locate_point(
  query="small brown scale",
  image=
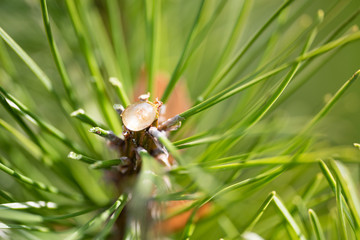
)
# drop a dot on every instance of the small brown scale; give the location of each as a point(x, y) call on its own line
point(137, 118)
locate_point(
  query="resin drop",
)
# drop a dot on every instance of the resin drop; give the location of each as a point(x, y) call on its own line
point(139, 116)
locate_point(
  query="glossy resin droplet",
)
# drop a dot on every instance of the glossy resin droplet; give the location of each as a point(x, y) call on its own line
point(139, 116)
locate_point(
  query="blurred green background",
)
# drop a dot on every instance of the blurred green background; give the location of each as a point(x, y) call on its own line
point(22, 20)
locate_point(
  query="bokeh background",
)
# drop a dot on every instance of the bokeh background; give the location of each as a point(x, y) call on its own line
point(22, 20)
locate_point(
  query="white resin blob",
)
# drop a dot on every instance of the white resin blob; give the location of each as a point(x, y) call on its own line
point(139, 116)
